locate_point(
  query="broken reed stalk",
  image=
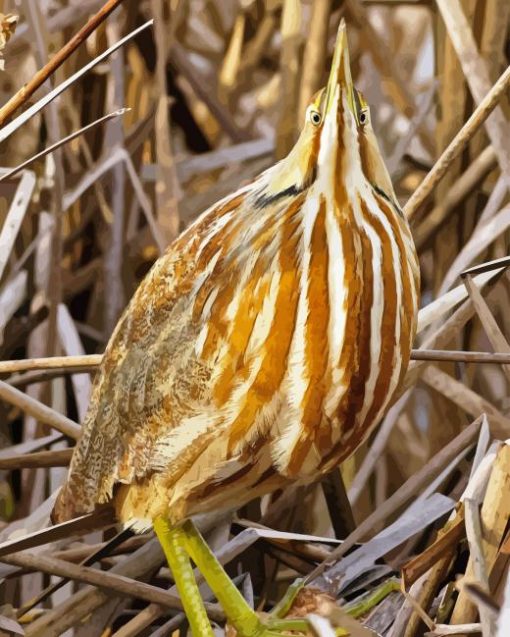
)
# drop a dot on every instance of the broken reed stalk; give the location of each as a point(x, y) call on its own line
point(39, 411)
point(477, 560)
point(480, 114)
point(19, 98)
point(89, 560)
point(81, 604)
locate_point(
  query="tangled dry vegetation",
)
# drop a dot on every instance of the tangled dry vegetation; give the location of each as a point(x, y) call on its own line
point(216, 90)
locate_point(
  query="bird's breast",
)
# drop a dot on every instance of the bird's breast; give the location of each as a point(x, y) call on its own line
point(312, 333)
point(354, 330)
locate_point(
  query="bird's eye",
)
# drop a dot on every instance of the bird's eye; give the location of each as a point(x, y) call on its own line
point(363, 118)
point(315, 118)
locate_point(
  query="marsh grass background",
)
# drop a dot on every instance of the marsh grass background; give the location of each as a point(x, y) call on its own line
point(217, 91)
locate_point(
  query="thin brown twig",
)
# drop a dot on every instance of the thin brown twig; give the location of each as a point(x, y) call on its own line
point(8, 129)
point(460, 357)
point(19, 98)
point(52, 458)
point(103, 579)
point(69, 138)
point(34, 377)
point(39, 411)
point(88, 362)
point(80, 553)
point(482, 111)
point(51, 362)
point(463, 186)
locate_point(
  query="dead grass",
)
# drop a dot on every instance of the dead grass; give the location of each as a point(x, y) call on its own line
point(215, 91)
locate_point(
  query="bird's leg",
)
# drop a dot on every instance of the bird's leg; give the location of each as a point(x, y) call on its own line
point(239, 613)
point(172, 540)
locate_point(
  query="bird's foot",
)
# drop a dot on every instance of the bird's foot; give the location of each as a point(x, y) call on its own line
point(278, 624)
point(297, 627)
point(362, 606)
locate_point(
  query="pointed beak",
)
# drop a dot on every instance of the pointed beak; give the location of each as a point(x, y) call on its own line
point(340, 74)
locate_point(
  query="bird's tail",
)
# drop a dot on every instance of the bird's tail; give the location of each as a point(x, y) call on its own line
point(70, 502)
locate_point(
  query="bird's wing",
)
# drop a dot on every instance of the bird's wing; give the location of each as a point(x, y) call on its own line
point(155, 377)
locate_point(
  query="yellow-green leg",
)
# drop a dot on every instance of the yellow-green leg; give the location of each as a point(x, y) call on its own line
point(172, 540)
point(182, 542)
point(239, 613)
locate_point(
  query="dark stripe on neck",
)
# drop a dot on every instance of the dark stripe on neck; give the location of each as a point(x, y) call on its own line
point(262, 200)
point(392, 203)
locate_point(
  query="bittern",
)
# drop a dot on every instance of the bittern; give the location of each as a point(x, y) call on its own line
point(259, 351)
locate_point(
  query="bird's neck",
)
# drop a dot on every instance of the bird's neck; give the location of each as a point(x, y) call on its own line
point(290, 176)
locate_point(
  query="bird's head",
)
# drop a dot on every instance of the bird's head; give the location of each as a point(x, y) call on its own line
point(337, 136)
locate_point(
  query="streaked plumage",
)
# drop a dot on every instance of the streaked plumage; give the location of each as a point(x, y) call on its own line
point(265, 344)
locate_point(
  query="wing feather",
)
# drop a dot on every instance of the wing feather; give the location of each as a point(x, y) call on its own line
point(157, 405)
point(149, 363)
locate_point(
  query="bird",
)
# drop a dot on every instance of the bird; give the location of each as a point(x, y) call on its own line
point(259, 351)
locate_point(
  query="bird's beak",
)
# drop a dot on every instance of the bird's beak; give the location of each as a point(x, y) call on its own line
point(340, 75)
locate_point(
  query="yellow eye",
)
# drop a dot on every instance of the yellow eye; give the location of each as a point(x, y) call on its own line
point(315, 118)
